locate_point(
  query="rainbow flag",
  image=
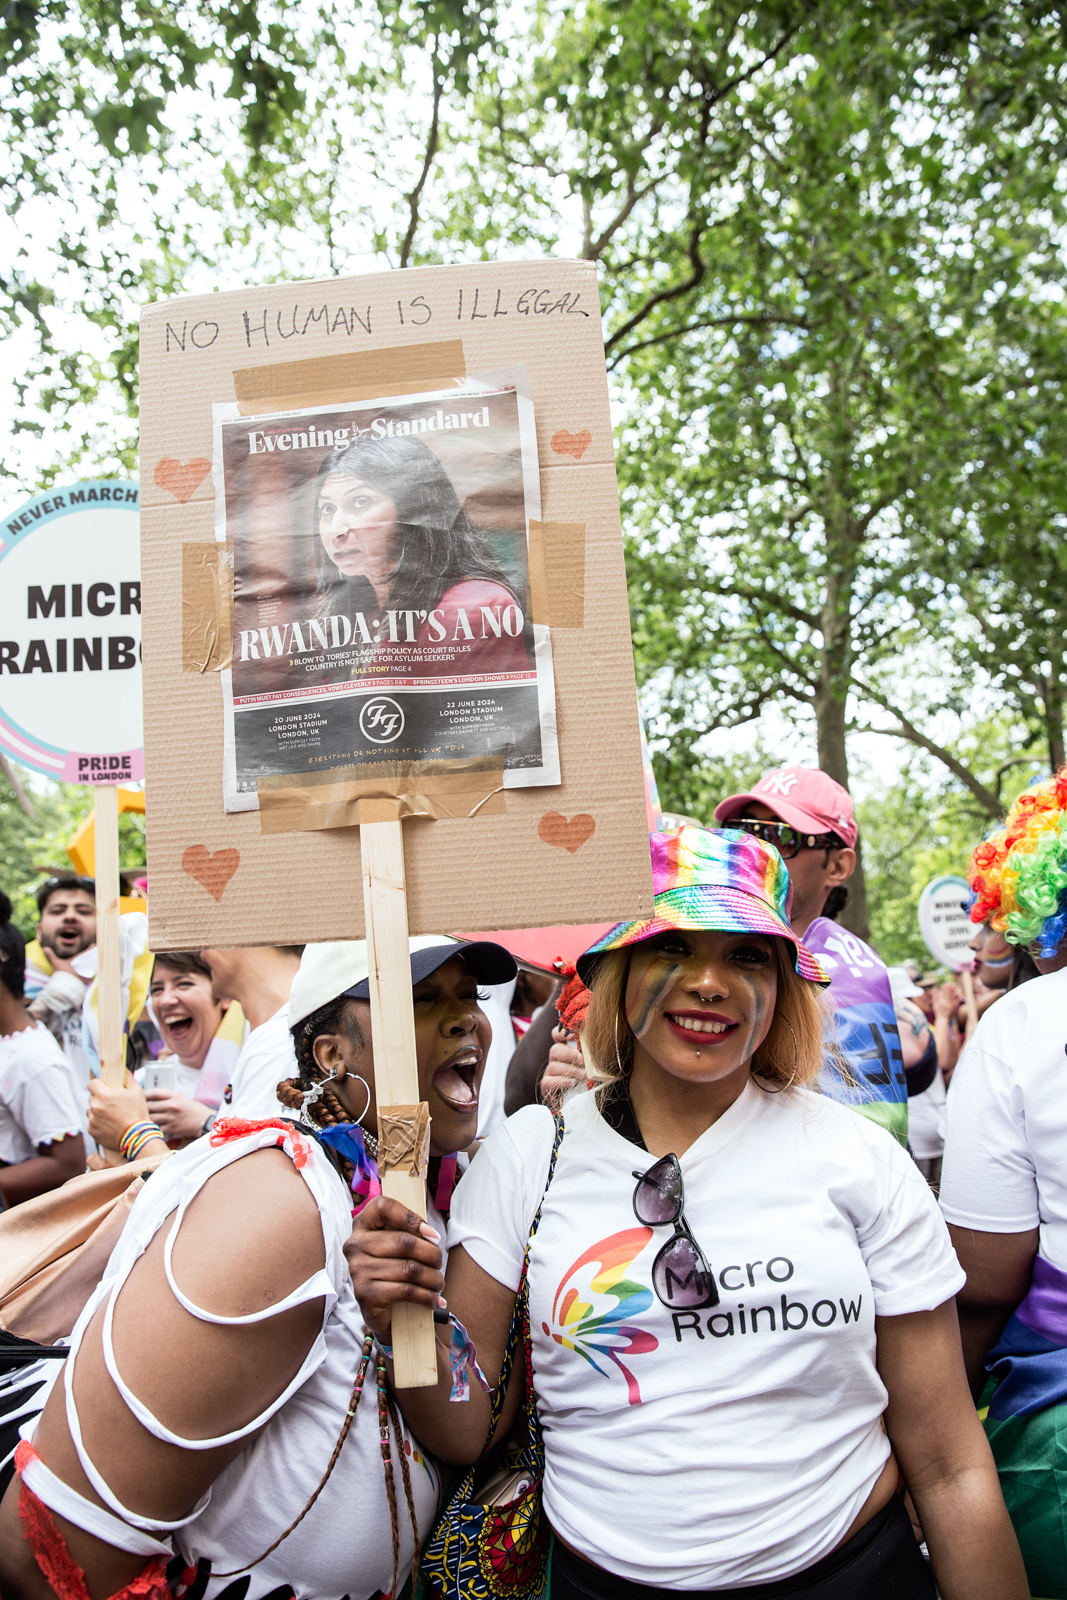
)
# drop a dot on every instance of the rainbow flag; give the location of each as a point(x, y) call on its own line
point(866, 1028)
point(1026, 1425)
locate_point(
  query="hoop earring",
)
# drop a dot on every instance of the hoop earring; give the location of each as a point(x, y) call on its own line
point(796, 1058)
point(796, 1063)
point(366, 1090)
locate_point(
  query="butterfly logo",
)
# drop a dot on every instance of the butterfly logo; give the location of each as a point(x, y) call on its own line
point(592, 1308)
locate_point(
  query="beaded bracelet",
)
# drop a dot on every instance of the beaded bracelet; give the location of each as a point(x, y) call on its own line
point(462, 1357)
point(137, 1135)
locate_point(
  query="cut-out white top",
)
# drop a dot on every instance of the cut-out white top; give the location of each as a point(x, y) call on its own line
point(344, 1545)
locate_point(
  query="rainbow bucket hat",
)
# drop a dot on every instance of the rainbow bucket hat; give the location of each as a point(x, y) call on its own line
point(717, 880)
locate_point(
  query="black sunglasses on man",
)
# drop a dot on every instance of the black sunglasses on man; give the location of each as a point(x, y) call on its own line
point(786, 839)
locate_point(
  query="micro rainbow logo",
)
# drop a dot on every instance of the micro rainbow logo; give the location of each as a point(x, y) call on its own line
point(597, 1331)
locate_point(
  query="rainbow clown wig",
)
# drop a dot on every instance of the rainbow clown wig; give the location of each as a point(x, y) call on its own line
point(1019, 873)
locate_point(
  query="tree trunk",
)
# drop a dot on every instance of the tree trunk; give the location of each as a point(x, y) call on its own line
point(1054, 706)
point(855, 916)
point(833, 759)
point(844, 541)
point(1055, 741)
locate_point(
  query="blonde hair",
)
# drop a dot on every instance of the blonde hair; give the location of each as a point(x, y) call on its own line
point(791, 1056)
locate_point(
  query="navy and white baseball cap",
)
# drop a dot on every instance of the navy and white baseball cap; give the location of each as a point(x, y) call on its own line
point(328, 971)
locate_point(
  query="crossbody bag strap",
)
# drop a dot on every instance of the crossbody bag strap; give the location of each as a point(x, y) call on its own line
point(515, 1332)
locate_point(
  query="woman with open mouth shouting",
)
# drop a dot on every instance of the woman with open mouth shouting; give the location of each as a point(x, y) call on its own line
point(742, 1328)
point(207, 1436)
point(329, 1013)
point(203, 1037)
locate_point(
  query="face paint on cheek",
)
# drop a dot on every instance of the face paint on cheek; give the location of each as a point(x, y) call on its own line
point(761, 1004)
point(651, 986)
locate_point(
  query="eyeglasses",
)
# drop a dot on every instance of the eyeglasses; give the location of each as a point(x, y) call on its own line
point(785, 839)
point(680, 1275)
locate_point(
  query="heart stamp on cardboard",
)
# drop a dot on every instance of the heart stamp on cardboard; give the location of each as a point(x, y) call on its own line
point(571, 444)
point(181, 481)
point(554, 829)
point(212, 872)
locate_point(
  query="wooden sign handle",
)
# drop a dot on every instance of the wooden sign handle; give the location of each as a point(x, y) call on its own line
point(109, 982)
point(109, 970)
point(396, 1078)
point(966, 977)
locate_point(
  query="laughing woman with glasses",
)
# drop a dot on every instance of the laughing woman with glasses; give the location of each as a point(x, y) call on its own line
point(743, 1335)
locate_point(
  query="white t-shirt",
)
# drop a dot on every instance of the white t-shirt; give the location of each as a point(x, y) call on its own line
point(186, 1079)
point(37, 1100)
point(497, 1007)
point(1006, 1120)
point(344, 1545)
point(735, 1445)
point(266, 1058)
point(926, 1120)
point(63, 993)
point(77, 1063)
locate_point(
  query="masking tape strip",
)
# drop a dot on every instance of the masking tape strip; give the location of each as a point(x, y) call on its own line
point(346, 796)
point(207, 606)
point(404, 1139)
point(355, 375)
point(557, 573)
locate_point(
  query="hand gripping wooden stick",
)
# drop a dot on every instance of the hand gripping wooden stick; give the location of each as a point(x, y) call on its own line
point(396, 1078)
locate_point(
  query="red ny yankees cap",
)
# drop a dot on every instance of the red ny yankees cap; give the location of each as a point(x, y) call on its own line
point(804, 797)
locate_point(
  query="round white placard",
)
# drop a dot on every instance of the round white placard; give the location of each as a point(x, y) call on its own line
point(943, 922)
point(70, 633)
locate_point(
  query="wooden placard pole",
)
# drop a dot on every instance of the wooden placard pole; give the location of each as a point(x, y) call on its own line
point(396, 1078)
point(966, 977)
point(109, 983)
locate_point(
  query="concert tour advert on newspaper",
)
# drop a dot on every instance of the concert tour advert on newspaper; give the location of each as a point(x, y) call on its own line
point(381, 586)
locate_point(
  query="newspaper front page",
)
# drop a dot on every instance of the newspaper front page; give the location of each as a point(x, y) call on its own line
point(381, 587)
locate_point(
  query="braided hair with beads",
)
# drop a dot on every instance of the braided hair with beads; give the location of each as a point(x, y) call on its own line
point(337, 1016)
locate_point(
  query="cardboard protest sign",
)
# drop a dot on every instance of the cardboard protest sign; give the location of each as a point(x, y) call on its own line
point(70, 634)
point(483, 678)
